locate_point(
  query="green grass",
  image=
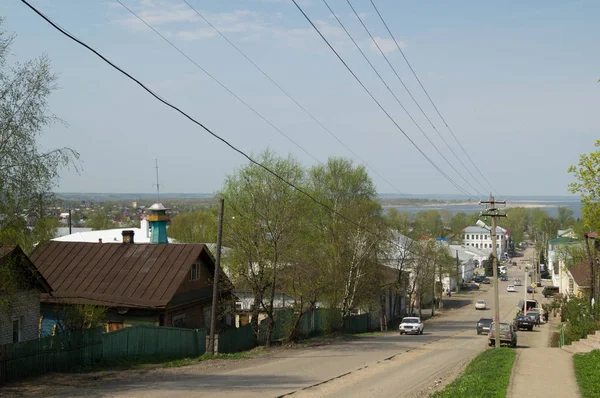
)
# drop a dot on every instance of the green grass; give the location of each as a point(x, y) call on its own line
point(486, 376)
point(587, 370)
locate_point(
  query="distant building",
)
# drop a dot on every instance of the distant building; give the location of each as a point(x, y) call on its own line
point(480, 238)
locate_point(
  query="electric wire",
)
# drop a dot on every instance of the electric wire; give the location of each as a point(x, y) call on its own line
point(429, 97)
point(379, 104)
point(395, 97)
point(416, 102)
point(219, 83)
point(205, 128)
point(287, 94)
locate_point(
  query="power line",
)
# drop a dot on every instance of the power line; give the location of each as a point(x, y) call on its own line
point(414, 100)
point(286, 93)
point(429, 97)
point(219, 83)
point(379, 104)
point(193, 120)
point(393, 94)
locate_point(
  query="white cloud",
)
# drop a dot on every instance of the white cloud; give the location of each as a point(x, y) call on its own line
point(180, 21)
point(387, 45)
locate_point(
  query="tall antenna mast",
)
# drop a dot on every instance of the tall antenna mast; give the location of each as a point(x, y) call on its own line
point(157, 184)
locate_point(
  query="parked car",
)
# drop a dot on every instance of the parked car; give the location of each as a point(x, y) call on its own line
point(508, 334)
point(411, 324)
point(530, 289)
point(524, 322)
point(483, 325)
point(511, 288)
point(550, 291)
point(534, 314)
point(517, 282)
point(480, 305)
point(504, 278)
point(486, 281)
point(479, 279)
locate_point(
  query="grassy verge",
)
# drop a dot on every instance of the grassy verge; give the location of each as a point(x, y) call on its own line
point(587, 370)
point(486, 376)
point(161, 362)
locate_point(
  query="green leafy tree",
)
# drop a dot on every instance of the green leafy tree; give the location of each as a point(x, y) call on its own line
point(587, 184)
point(100, 220)
point(263, 215)
point(516, 222)
point(488, 265)
point(198, 226)
point(348, 249)
point(565, 217)
point(27, 174)
point(398, 221)
point(429, 223)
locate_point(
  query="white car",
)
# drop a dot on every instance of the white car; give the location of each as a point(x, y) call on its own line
point(411, 325)
point(511, 288)
point(480, 305)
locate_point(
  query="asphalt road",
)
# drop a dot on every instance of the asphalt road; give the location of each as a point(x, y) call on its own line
point(387, 365)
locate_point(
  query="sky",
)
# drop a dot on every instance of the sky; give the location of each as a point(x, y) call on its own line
point(515, 81)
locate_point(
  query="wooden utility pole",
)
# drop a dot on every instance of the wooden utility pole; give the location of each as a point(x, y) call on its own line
point(457, 273)
point(493, 212)
point(215, 296)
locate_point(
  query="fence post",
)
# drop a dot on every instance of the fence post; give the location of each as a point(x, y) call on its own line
point(3, 363)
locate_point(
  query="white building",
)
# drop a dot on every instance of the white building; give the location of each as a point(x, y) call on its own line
point(141, 235)
point(557, 256)
point(481, 238)
point(467, 263)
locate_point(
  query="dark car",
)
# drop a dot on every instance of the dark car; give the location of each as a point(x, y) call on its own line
point(550, 291)
point(478, 279)
point(504, 277)
point(508, 335)
point(483, 325)
point(524, 322)
point(530, 289)
point(486, 281)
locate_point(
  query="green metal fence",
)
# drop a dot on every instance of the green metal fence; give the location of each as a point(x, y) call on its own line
point(157, 341)
point(66, 351)
point(58, 353)
point(357, 324)
point(236, 340)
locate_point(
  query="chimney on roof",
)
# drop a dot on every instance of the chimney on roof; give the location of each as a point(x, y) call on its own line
point(99, 240)
point(128, 236)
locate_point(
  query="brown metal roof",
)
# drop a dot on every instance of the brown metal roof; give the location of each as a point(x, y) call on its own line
point(582, 274)
point(135, 275)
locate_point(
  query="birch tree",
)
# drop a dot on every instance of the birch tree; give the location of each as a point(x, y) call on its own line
point(27, 173)
point(348, 237)
point(263, 215)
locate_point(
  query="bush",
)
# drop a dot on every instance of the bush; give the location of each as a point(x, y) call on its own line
point(581, 317)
